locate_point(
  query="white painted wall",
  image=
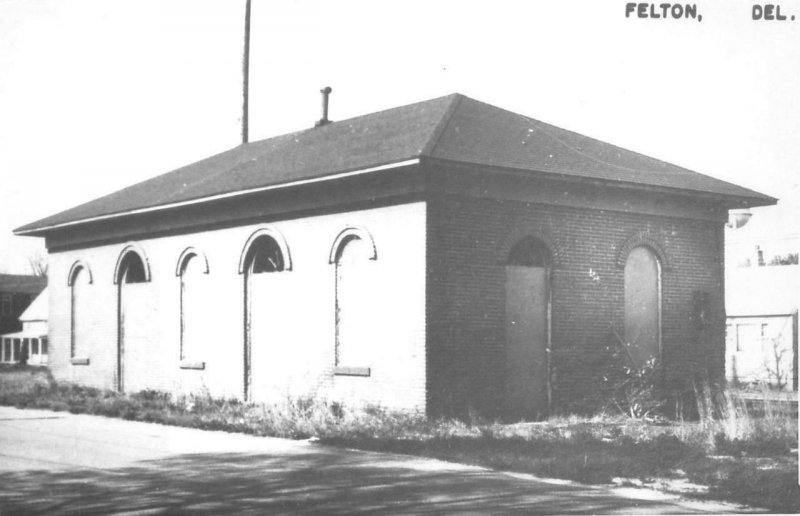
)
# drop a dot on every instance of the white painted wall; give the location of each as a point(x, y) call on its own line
point(298, 358)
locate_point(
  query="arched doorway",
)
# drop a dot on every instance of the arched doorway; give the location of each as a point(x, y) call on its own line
point(527, 329)
point(263, 257)
point(643, 305)
point(133, 319)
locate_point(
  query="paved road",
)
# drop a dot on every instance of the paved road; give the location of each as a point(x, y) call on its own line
point(57, 463)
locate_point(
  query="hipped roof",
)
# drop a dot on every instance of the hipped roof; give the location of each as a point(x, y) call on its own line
point(454, 128)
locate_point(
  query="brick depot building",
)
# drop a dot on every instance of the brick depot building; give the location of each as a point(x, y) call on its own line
point(444, 256)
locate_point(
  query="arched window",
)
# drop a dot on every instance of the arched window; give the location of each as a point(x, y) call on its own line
point(80, 312)
point(195, 309)
point(354, 302)
point(263, 244)
point(263, 257)
point(529, 252)
point(132, 269)
point(527, 328)
point(643, 305)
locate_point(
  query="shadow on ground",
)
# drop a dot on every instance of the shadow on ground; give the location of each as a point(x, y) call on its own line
point(321, 481)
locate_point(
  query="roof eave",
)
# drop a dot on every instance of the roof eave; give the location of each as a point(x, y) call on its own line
point(40, 231)
point(731, 201)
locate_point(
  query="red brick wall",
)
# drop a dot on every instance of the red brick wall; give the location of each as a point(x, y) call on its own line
point(468, 241)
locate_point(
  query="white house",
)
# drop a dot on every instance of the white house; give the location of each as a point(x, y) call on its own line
point(761, 337)
point(31, 342)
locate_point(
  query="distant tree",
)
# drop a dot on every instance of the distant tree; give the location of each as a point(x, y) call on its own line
point(789, 259)
point(777, 368)
point(38, 264)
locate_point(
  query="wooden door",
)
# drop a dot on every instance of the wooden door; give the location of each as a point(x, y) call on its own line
point(526, 341)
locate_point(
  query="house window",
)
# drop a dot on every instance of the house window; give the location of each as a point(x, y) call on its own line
point(195, 310)
point(16, 354)
point(44, 345)
point(747, 337)
point(34, 346)
point(355, 332)
point(80, 313)
point(6, 305)
point(643, 305)
point(6, 350)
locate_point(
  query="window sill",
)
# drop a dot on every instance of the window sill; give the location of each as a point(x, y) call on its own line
point(193, 364)
point(79, 361)
point(352, 371)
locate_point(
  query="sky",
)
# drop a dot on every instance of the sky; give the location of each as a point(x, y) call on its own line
point(96, 95)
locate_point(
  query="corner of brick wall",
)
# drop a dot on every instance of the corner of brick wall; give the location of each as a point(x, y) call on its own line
point(468, 240)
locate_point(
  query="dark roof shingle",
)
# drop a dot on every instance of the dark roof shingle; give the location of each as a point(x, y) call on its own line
point(22, 284)
point(453, 127)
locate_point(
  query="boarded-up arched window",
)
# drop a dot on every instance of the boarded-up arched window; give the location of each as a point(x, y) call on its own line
point(80, 312)
point(354, 302)
point(643, 305)
point(196, 313)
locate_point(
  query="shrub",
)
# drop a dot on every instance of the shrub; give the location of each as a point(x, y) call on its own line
point(631, 389)
point(669, 451)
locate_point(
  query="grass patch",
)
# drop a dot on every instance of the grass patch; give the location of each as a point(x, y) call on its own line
point(576, 455)
point(32, 387)
point(731, 453)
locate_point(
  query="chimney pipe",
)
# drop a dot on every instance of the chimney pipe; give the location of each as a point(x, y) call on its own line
point(326, 91)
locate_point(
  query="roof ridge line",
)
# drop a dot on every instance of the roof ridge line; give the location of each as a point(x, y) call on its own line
point(440, 128)
point(296, 132)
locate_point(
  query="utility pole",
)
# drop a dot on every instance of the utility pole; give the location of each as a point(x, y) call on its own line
point(246, 74)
